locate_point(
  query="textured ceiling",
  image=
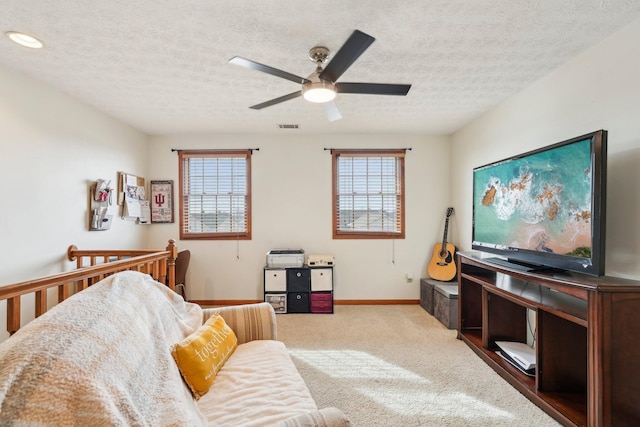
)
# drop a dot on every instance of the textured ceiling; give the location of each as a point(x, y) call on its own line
point(161, 66)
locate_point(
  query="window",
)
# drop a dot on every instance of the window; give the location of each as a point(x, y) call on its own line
point(368, 194)
point(215, 194)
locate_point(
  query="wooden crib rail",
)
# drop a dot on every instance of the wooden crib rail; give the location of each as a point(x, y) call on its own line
point(159, 264)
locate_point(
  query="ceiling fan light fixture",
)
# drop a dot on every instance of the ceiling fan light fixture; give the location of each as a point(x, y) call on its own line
point(25, 40)
point(320, 86)
point(319, 92)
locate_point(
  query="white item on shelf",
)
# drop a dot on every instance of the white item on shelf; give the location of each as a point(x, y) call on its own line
point(520, 353)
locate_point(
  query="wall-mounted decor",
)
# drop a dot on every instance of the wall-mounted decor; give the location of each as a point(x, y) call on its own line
point(100, 199)
point(131, 195)
point(161, 201)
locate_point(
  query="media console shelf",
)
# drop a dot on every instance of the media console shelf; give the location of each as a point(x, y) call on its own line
point(586, 331)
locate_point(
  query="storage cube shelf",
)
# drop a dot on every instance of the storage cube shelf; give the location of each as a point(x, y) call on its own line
point(299, 289)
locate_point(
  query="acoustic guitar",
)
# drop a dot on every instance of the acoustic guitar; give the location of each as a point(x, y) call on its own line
point(442, 265)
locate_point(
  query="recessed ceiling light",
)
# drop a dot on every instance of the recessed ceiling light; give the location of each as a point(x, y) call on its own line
point(25, 39)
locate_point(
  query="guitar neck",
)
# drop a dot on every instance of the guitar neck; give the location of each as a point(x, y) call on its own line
point(446, 230)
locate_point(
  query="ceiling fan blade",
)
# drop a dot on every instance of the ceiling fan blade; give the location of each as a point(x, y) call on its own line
point(373, 88)
point(247, 63)
point(331, 111)
point(278, 100)
point(351, 50)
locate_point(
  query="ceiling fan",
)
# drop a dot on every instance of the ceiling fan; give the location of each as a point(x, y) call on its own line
point(321, 86)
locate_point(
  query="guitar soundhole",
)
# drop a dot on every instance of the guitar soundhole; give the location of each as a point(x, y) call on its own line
point(446, 257)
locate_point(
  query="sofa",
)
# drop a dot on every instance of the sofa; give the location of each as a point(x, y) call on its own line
point(107, 356)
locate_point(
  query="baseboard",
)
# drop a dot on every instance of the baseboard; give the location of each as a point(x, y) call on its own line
point(335, 302)
point(375, 301)
point(223, 302)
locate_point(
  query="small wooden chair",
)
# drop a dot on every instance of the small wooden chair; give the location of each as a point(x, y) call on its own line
point(182, 263)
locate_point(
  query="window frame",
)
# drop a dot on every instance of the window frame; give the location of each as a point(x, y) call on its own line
point(183, 157)
point(399, 155)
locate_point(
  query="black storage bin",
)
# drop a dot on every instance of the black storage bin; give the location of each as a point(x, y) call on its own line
point(298, 280)
point(298, 302)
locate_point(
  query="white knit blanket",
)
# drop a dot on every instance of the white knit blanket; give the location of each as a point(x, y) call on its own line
point(102, 357)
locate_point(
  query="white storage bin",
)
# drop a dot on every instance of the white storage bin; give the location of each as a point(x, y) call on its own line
point(275, 280)
point(321, 279)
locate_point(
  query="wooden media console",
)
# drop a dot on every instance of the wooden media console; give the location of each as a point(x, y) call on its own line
point(585, 330)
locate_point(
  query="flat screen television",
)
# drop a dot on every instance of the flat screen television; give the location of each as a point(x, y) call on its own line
point(545, 208)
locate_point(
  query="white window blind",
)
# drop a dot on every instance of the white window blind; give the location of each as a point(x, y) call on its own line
point(369, 194)
point(215, 194)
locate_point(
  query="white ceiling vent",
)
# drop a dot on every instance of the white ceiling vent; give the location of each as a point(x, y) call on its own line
point(286, 126)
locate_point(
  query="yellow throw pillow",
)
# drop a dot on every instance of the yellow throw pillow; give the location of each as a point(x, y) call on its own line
point(201, 355)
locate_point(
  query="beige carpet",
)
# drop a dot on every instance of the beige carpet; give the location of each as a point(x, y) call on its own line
point(396, 365)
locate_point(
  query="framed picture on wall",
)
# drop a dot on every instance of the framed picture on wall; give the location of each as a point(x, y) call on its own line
point(161, 201)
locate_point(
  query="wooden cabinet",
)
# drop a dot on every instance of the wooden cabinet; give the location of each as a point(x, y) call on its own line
point(299, 289)
point(585, 330)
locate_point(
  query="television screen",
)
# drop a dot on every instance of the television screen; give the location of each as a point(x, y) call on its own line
point(545, 207)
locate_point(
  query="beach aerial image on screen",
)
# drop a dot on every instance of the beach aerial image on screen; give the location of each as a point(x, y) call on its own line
point(540, 202)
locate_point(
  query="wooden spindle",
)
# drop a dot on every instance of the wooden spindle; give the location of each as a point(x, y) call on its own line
point(13, 315)
point(41, 302)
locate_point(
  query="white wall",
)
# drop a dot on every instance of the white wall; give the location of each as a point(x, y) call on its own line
point(291, 190)
point(599, 89)
point(51, 147)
